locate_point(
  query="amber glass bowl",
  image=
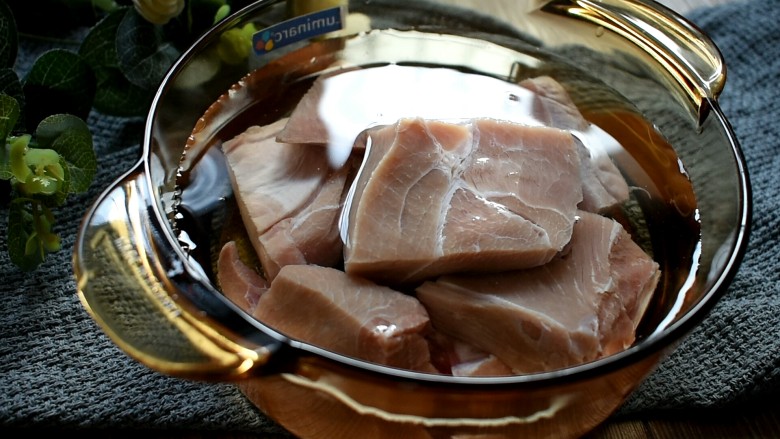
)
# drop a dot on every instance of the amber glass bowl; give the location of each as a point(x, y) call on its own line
point(139, 274)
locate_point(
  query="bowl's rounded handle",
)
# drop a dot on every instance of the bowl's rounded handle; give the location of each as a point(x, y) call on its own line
point(159, 310)
point(688, 56)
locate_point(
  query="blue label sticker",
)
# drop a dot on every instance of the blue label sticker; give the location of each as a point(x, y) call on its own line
point(297, 29)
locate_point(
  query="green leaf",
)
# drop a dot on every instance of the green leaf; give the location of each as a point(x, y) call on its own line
point(204, 13)
point(105, 5)
point(10, 85)
point(118, 97)
point(99, 46)
point(115, 94)
point(59, 82)
point(20, 236)
point(5, 172)
point(9, 115)
point(54, 19)
point(58, 198)
point(221, 13)
point(9, 41)
point(144, 54)
point(71, 138)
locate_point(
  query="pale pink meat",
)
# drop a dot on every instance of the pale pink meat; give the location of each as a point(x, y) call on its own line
point(446, 197)
point(584, 305)
point(311, 236)
point(532, 171)
point(289, 198)
point(238, 282)
point(553, 105)
point(458, 358)
point(272, 180)
point(481, 366)
point(603, 185)
point(348, 315)
point(491, 216)
point(305, 124)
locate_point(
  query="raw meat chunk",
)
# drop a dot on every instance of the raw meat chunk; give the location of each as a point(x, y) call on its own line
point(272, 180)
point(480, 365)
point(531, 171)
point(603, 186)
point(288, 196)
point(348, 315)
point(310, 236)
point(602, 183)
point(551, 105)
point(484, 195)
point(482, 206)
point(458, 358)
point(239, 283)
point(583, 305)
point(305, 124)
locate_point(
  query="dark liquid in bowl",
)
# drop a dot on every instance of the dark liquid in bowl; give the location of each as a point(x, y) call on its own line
point(661, 214)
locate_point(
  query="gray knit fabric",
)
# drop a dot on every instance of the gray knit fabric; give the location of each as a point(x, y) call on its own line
point(58, 370)
point(733, 357)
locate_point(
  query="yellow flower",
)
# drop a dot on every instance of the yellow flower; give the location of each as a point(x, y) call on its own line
point(159, 11)
point(236, 44)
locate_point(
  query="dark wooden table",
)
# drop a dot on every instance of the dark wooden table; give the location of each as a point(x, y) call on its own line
point(757, 420)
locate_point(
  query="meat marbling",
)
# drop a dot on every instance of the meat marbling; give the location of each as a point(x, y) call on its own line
point(289, 197)
point(315, 121)
point(349, 315)
point(488, 213)
point(238, 282)
point(458, 358)
point(603, 185)
point(583, 305)
point(484, 195)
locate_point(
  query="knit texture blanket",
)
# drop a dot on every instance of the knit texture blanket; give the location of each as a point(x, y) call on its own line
point(59, 370)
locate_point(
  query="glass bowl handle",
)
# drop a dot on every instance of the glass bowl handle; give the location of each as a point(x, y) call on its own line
point(158, 310)
point(690, 60)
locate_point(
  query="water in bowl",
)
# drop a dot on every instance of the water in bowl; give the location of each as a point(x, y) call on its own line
point(481, 76)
